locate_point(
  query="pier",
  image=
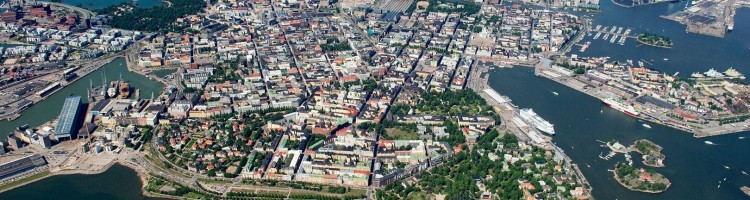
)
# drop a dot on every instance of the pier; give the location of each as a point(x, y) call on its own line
point(478, 81)
point(613, 34)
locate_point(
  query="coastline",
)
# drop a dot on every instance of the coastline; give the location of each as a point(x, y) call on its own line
point(653, 45)
point(483, 83)
point(637, 190)
point(697, 132)
point(644, 155)
point(84, 71)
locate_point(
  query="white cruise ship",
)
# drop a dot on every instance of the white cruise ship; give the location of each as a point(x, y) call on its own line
point(620, 106)
point(529, 116)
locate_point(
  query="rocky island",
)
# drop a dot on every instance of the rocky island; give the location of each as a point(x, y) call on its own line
point(641, 180)
point(651, 152)
point(654, 40)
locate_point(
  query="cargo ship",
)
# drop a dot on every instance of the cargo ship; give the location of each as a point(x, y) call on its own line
point(529, 116)
point(620, 106)
point(124, 90)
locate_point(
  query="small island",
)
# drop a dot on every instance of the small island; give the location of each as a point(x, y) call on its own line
point(654, 40)
point(651, 152)
point(641, 180)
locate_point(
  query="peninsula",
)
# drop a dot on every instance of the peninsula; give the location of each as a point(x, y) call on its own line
point(639, 179)
point(294, 100)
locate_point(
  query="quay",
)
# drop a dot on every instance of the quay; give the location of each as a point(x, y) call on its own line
point(478, 81)
point(646, 115)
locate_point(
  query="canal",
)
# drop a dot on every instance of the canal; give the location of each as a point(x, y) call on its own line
point(49, 108)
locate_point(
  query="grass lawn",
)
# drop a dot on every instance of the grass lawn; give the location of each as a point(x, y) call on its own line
point(398, 134)
point(24, 180)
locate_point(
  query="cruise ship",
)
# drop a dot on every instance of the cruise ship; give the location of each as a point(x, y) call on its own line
point(620, 106)
point(529, 116)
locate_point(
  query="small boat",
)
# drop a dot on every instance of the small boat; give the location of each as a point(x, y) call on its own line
point(725, 178)
point(601, 111)
point(726, 167)
point(745, 173)
point(666, 59)
point(646, 125)
point(709, 142)
point(555, 93)
point(741, 138)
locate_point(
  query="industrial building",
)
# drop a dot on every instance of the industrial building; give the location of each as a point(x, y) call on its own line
point(11, 167)
point(67, 124)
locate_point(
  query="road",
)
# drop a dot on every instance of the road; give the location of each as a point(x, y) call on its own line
point(85, 14)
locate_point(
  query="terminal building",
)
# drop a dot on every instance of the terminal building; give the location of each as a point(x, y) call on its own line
point(68, 122)
point(25, 163)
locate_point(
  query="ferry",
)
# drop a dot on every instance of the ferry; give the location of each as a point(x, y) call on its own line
point(529, 116)
point(620, 106)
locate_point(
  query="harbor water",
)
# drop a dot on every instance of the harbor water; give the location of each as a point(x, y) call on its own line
point(581, 121)
point(49, 108)
point(690, 52)
point(118, 182)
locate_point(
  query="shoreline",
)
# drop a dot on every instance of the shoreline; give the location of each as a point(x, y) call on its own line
point(697, 132)
point(35, 100)
point(638, 190)
point(480, 83)
point(653, 45)
point(141, 175)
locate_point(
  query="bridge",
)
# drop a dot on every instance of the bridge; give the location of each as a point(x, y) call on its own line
point(85, 14)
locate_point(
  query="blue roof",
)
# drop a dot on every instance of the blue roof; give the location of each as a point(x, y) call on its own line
point(68, 116)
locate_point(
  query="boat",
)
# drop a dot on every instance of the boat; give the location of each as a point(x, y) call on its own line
point(529, 116)
point(124, 90)
point(743, 172)
point(646, 125)
point(709, 142)
point(112, 90)
point(555, 93)
point(726, 167)
point(741, 138)
point(620, 106)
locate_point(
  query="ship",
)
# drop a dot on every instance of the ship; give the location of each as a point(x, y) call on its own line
point(124, 90)
point(529, 116)
point(112, 90)
point(620, 106)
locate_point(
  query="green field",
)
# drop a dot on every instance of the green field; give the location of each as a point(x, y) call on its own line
point(24, 180)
